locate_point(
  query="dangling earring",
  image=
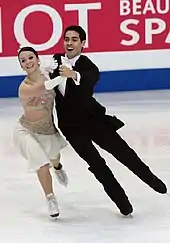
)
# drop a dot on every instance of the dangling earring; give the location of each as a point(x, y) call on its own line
point(39, 63)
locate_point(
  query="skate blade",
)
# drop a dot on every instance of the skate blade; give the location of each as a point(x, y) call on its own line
point(54, 216)
point(129, 216)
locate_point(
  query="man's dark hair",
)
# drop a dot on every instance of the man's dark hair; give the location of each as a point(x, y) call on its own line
point(78, 29)
point(28, 48)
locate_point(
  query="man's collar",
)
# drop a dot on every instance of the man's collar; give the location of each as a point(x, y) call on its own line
point(73, 60)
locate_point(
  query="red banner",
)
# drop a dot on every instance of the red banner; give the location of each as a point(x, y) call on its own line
point(111, 25)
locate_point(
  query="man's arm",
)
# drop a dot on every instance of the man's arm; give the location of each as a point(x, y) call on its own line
point(89, 76)
point(85, 75)
point(85, 70)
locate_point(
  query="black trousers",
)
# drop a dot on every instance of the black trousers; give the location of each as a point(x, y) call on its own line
point(108, 139)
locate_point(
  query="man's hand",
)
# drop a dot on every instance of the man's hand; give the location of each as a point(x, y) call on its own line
point(67, 72)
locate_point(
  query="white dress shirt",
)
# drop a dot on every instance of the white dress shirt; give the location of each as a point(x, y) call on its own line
point(62, 84)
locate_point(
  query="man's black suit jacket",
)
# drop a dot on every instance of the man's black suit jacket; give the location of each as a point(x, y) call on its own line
point(78, 107)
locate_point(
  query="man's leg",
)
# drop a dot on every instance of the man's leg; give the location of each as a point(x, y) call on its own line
point(87, 151)
point(112, 142)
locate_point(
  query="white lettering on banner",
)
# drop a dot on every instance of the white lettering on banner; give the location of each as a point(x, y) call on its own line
point(135, 36)
point(0, 31)
point(167, 7)
point(149, 31)
point(83, 13)
point(168, 39)
point(136, 7)
point(149, 7)
point(152, 26)
point(56, 21)
point(124, 7)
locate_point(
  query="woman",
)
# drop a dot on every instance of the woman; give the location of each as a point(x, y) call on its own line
point(35, 134)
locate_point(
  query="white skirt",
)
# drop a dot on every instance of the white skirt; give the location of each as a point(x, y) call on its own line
point(38, 149)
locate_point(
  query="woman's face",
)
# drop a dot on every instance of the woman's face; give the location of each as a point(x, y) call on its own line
point(28, 61)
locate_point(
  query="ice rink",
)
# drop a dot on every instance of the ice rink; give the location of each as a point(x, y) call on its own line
point(87, 214)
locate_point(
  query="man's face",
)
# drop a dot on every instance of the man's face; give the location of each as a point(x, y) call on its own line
point(72, 44)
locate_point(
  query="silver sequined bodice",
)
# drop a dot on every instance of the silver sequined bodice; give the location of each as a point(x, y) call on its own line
point(43, 102)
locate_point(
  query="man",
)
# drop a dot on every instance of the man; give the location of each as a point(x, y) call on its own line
point(83, 120)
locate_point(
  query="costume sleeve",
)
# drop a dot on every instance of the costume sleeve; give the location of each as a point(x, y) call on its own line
point(89, 76)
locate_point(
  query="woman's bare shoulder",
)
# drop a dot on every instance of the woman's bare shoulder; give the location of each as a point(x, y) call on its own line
point(24, 88)
point(26, 85)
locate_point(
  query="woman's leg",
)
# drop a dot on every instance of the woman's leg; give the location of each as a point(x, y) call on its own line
point(45, 180)
point(32, 150)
